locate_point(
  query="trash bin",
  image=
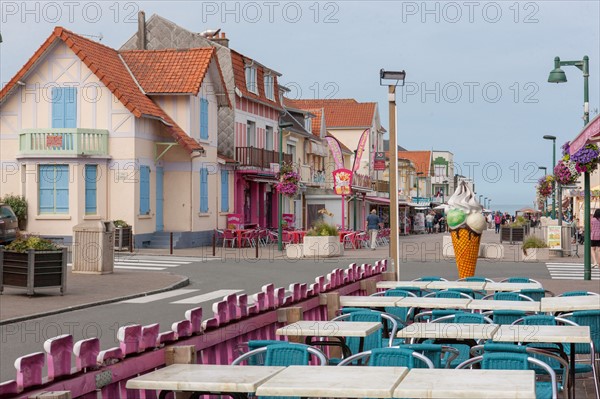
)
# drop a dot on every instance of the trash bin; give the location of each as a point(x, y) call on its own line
point(93, 247)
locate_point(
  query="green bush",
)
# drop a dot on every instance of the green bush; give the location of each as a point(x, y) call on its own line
point(533, 242)
point(18, 205)
point(120, 223)
point(322, 229)
point(520, 221)
point(26, 242)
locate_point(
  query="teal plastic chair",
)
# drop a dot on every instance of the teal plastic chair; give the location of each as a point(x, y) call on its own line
point(284, 354)
point(508, 296)
point(519, 280)
point(517, 361)
point(478, 279)
point(390, 357)
point(259, 360)
point(383, 337)
point(430, 278)
point(578, 293)
point(448, 294)
point(505, 316)
point(440, 355)
point(402, 313)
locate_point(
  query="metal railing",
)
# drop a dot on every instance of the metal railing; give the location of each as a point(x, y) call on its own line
point(63, 141)
point(259, 157)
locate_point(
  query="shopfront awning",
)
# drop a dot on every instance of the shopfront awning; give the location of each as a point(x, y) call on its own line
point(589, 134)
point(378, 200)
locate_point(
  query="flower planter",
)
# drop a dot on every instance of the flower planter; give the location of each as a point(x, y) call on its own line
point(322, 246)
point(513, 234)
point(33, 269)
point(535, 254)
point(123, 239)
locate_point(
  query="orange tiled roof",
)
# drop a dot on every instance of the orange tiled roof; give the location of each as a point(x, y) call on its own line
point(238, 62)
point(421, 160)
point(106, 64)
point(169, 71)
point(316, 120)
point(340, 113)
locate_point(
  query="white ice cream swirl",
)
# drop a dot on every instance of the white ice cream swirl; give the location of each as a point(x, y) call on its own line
point(464, 200)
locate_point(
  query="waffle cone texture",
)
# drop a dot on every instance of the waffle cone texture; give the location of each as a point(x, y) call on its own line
point(466, 250)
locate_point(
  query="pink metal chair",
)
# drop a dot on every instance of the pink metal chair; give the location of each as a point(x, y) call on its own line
point(229, 236)
point(349, 239)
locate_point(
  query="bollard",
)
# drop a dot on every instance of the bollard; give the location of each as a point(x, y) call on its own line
point(171, 243)
point(214, 242)
point(256, 244)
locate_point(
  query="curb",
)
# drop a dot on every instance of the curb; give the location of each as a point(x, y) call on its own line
point(185, 281)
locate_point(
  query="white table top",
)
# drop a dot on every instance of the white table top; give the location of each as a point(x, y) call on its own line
point(433, 303)
point(491, 304)
point(511, 286)
point(307, 328)
point(448, 331)
point(368, 301)
point(334, 382)
point(451, 383)
point(554, 334)
point(395, 284)
point(570, 303)
point(205, 377)
point(446, 285)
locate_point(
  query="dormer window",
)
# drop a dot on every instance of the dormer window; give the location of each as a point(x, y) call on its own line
point(270, 87)
point(251, 79)
point(308, 123)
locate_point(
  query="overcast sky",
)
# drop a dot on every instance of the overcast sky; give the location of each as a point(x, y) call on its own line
point(476, 70)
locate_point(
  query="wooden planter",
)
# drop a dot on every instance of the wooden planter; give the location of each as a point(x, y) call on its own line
point(33, 269)
point(123, 239)
point(513, 234)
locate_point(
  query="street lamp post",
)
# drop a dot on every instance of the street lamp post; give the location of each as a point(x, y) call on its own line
point(480, 195)
point(394, 77)
point(489, 202)
point(545, 199)
point(553, 138)
point(418, 196)
point(279, 196)
point(485, 203)
point(557, 75)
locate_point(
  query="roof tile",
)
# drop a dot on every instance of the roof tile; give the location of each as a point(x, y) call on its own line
point(340, 113)
point(420, 159)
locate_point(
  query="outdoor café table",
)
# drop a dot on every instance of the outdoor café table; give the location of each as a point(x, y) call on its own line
point(547, 334)
point(396, 284)
point(448, 285)
point(491, 287)
point(335, 329)
point(490, 304)
point(466, 383)
point(450, 331)
point(334, 382)
point(203, 379)
point(368, 301)
point(433, 303)
point(570, 303)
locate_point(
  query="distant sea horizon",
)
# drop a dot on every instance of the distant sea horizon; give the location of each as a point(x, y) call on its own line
point(510, 208)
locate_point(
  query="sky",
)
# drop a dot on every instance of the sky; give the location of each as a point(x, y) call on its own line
point(476, 71)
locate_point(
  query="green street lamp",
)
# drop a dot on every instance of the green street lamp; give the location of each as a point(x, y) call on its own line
point(553, 138)
point(557, 75)
point(279, 195)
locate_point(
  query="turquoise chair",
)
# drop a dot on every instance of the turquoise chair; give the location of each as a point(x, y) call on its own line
point(517, 361)
point(505, 316)
point(578, 293)
point(390, 357)
point(284, 354)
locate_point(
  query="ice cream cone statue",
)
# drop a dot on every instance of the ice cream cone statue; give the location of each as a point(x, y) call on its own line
point(466, 224)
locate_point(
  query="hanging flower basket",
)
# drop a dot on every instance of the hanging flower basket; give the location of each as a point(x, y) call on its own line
point(586, 159)
point(544, 187)
point(565, 172)
point(288, 181)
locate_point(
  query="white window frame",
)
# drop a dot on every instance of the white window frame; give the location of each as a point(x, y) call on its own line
point(269, 82)
point(269, 138)
point(251, 84)
point(250, 138)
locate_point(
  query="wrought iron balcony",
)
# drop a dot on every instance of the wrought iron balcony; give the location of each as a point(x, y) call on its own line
point(362, 181)
point(61, 141)
point(382, 186)
point(259, 157)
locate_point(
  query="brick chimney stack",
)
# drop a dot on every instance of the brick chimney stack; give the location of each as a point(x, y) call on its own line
point(141, 34)
point(222, 39)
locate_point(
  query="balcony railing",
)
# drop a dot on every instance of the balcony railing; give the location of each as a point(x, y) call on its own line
point(382, 186)
point(250, 156)
point(311, 177)
point(362, 181)
point(63, 142)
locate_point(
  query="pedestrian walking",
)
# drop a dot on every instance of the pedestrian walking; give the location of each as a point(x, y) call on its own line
point(497, 222)
point(429, 223)
point(595, 238)
point(373, 227)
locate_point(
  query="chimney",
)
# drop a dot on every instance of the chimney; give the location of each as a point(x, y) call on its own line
point(141, 34)
point(222, 40)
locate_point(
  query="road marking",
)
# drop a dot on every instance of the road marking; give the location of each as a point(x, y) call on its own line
point(206, 297)
point(152, 261)
point(146, 264)
point(569, 271)
point(158, 297)
point(140, 268)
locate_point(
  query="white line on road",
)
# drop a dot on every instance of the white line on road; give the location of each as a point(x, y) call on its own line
point(206, 297)
point(564, 264)
point(139, 268)
point(136, 260)
point(146, 264)
point(158, 297)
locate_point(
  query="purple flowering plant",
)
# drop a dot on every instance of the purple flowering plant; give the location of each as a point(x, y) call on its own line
point(544, 187)
point(586, 159)
point(288, 180)
point(565, 173)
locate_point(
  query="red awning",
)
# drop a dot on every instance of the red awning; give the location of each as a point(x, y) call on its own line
point(590, 133)
point(378, 200)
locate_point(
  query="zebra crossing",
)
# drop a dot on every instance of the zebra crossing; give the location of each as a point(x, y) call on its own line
point(176, 295)
point(152, 262)
point(569, 271)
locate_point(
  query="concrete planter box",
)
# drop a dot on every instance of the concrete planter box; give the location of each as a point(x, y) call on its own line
point(33, 269)
point(322, 246)
point(294, 251)
point(535, 254)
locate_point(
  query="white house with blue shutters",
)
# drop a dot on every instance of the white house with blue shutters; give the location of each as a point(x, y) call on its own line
point(91, 133)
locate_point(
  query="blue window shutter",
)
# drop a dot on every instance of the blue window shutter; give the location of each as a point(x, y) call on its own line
point(144, 190)
point(62, 189)
point(203, 190)
point(203, 118)
point(58, 107)
point(224, 191)
point(46, 189)
point(91, 173)
point(70, 96)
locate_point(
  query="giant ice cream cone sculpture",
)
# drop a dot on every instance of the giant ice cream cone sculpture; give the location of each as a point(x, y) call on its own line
point(466, 223)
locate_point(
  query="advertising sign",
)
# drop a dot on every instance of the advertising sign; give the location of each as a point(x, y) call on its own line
point(289, 218)
point(419, 222)
point(360, 149)
point(342, 181)
point(234, 220)
point(336, 151)
point(554, 239)
point(379, 161)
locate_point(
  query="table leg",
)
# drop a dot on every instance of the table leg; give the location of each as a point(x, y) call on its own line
point(572, 370)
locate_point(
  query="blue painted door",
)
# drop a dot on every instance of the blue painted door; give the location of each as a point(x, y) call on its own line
point(159, 199)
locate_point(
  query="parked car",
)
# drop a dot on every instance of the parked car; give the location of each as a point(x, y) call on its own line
point(9, 224)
